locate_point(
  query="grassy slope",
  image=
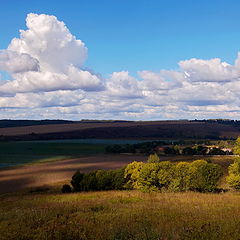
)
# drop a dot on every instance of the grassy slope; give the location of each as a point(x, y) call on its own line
point(120, 215)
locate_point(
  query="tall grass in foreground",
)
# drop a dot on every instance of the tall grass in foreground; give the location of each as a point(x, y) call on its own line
point(120, 215)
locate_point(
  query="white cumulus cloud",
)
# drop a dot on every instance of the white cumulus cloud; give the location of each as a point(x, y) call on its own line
point(213, 70)
point(46, 57)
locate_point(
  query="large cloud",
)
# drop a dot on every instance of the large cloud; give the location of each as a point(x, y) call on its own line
point(49, 41)
point(46, 57)
point(48, 76)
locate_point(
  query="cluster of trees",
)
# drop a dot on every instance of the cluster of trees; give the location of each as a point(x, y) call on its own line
point(196, 176)
point(152, 176)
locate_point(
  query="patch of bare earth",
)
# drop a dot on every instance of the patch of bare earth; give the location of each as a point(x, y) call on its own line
point(17, 178)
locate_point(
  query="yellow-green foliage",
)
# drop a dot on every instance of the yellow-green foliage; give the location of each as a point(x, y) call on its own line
point(148, 177)
point(153, 158)
point(233, 179)
point(120, 215)
point(203, 176)
point(132, 174)
point(236, 148)
point(179, 182)
point(165, 173)
point(196, 176)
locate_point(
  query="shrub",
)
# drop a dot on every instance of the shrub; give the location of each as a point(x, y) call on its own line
point(119, 181)
point(165, 174)
point(203, 176)
point(234, 181)
point(235, 167)
point(148, 177)
point(179, 183)
point(66, 188)
point(236, 148)
point(131, 174)
point(89, 182)
point(99, 180)
point(153, 158)
point(76, 179)
point(234, 174)
point(104, 179)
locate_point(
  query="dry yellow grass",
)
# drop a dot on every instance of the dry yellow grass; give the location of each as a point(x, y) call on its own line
point(120, 215)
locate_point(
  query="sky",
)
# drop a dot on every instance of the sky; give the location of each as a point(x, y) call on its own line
point(119, 59)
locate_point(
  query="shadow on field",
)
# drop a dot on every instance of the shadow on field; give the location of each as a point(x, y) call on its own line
point(36, 175)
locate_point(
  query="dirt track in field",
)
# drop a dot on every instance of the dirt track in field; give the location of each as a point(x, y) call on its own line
point(30, 176)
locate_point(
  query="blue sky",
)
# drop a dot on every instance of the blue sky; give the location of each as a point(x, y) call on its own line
point(142, 59)
point(137, 35)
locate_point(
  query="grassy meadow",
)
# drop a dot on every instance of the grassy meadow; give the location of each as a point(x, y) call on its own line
point(119, 215)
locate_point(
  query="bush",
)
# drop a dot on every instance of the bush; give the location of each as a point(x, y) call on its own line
point(148, 177)
point(203, 176)
point(153, 158)
point(119, 181)
point(234, 174)
point(234, 181)
point(76, 179)
point(179, 182)
point(165, 174)
point(99, 180)
point(131, 174)
point(66, 188)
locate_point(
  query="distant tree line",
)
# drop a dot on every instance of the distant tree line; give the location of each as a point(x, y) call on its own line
point(162, 147)
point(220, 121)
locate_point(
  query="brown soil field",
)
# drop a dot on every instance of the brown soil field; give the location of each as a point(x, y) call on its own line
point(54, 128)
point(36, 175)
point(141, 129)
